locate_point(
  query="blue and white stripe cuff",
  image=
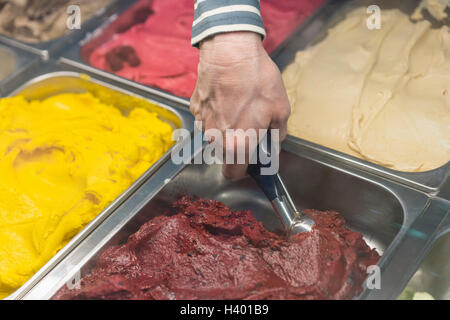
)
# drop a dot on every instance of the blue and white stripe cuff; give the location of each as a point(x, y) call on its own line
point(218, 16)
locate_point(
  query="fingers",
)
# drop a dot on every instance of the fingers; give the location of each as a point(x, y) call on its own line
point(280, 122)
point(243, 143)
point(208, 123)
point(281, 113)
point(236, 156)
point(234, 172)
point(194, 105)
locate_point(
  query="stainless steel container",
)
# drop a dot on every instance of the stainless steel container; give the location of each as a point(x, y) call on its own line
point(383, 211)
point(423, 234)
point(433, 274)
point(72, 56)
point(47, 49)
point(25, 62)
point(315, 30)
point(55, 80)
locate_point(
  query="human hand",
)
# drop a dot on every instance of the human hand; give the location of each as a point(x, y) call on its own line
point(238, 87)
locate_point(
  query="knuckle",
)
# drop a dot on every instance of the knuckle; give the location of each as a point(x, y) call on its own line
point(192, 108)
point(193, 104)
point(284, 112)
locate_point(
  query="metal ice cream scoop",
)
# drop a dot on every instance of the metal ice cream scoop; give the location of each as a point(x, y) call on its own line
point(273, 187)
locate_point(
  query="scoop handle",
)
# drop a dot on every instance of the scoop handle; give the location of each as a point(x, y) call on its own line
point(267, 183)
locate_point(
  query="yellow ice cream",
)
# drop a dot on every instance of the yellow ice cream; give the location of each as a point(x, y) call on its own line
point(381, 95)
point(63, 160)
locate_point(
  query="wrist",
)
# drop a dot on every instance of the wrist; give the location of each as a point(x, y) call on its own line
point(231, 47)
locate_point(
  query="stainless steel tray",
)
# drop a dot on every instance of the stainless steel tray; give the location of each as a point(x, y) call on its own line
point(46, 49)
point(433, 274)
point(381, 210)
point(72, 56)
point(25, 61)
point(315, 30)
point(53, 80)
point(416, 247)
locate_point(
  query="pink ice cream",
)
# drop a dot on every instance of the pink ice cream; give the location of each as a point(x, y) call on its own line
point(150, 42)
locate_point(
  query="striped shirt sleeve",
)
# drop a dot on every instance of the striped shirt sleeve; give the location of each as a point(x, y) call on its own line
point(218, 16)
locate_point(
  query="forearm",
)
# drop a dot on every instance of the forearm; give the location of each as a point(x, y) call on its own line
point(219, 16)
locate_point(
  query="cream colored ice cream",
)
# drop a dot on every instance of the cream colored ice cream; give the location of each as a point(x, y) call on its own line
point(381, 95)
point(7, 62)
